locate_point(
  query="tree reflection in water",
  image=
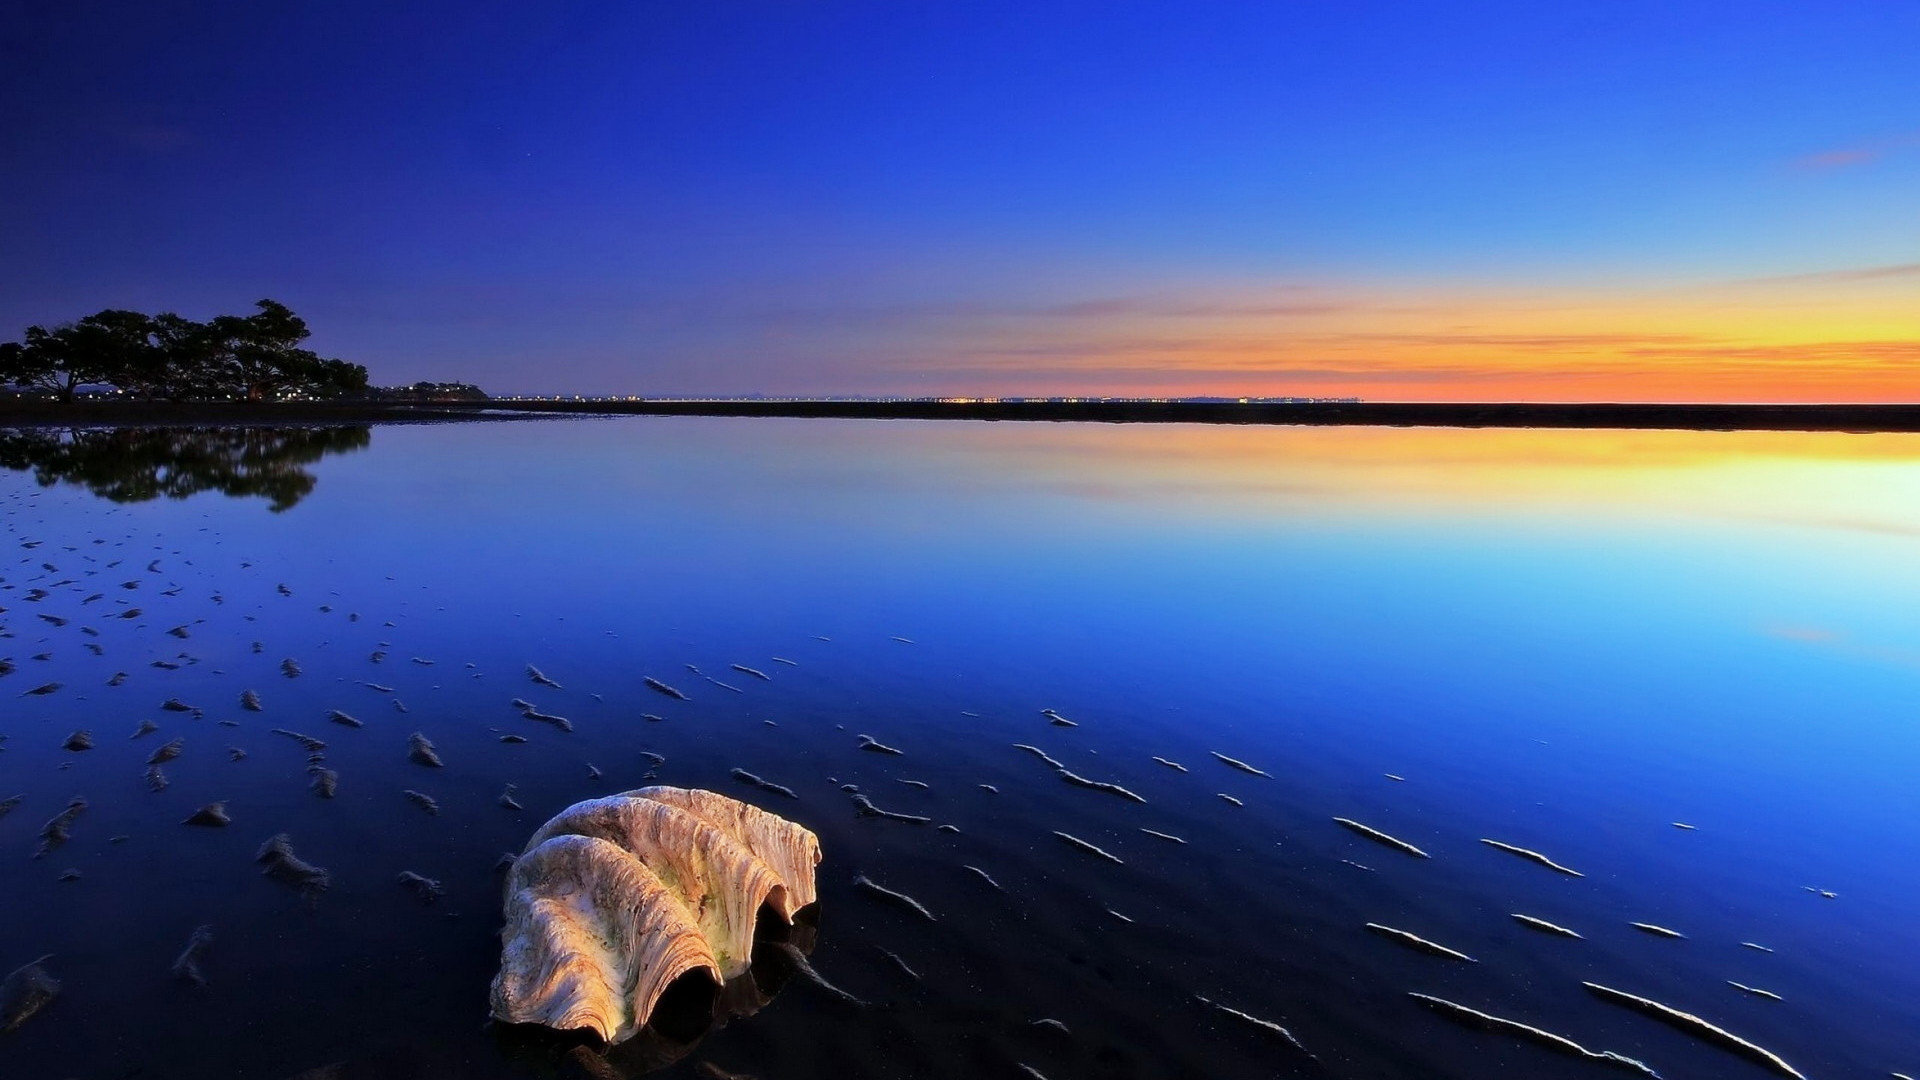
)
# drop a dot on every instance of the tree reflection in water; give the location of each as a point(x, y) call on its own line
point(137, 464)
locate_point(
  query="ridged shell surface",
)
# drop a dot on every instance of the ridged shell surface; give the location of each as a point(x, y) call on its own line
point(615, 898)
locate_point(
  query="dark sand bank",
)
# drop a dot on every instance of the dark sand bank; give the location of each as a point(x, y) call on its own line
point(1418, 414)
point(1084, 745)
point(207, 413)
point(1855, 417)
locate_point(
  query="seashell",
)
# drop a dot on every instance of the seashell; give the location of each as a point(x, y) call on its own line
point(284, 866)
point(560, 722)
point(986, 877)
point(616, 898)
point(427, 889)
point(59, 828)
point(1698, 1028)
point(1560, 1044)
point(1379, 837)
point(897, 899)
point(212, 815)
point(25, 991)
point(325, 781)
point(186, 966)
point(1533, 856)
point(307, 742)
point(1657, 931)
point(865, 808)
point(662, 688)
point(1267, 1026)
point(1236, 763)
point(1418, 943)
point(1543, 926)
point(421, 751)
point(746, 777)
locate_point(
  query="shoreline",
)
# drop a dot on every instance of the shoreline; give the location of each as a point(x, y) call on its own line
point(229, 413)
point(1598, 415)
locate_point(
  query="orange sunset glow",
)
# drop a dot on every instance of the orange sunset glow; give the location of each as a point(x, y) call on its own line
point(1842, 336)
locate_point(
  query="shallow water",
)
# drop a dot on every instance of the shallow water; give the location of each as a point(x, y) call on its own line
point(1565, 641)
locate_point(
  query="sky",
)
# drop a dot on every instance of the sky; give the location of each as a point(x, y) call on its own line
point(1676, 200)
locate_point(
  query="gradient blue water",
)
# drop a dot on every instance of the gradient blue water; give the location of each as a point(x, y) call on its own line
point(1720, 633)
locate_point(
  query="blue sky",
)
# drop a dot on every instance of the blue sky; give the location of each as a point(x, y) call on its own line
point(980, 198)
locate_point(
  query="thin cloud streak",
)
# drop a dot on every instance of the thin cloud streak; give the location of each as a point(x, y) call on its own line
point(1865, 273)
point(1624, 346)
point(1171, 309)
point(1584, 366)
point(1304, 375)
point(1873, 352)
point(1847, 157)
point(1118, 307)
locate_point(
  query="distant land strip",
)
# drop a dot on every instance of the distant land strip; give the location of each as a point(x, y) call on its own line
point(1703, 417)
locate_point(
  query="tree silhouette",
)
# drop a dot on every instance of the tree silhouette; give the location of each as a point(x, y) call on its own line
point(139, 464)
point(254, 357)
point(62, 359)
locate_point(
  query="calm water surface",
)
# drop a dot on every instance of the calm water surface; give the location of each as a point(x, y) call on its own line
point(1565, 641)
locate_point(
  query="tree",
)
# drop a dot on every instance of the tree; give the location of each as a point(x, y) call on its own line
point(13, 358)
point(179, 348)
point(111, 346)
point(60, 360)
point(256, 357)
point(337, 378)
point(138, 464)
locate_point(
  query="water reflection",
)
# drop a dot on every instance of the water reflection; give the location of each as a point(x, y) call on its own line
point(691, 1009)
point(140, 464)
point(1565, 641)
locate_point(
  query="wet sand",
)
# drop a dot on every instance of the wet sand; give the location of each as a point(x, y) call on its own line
point(1624, 415)
point(1159, 959)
